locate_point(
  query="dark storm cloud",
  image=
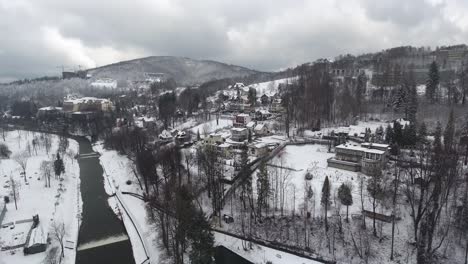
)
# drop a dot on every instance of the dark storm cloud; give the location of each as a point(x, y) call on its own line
point(39, 35)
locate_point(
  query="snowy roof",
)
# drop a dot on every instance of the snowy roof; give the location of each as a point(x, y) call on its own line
point(359, 148)
point(165, 134)
point(86, 100)
point(225, 145)
point(379, 145)
point(50, 108)
point(375, 151)
point(264, 112)
point(251, 124)
point(259, 145)
point(259, 127)
point(238, 129)
point(38, 236)
point(403, 122)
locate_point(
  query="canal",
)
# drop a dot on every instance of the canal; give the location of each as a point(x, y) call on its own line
point(102, 236)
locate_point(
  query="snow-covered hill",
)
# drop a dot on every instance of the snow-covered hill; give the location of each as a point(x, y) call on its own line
point(185, 71)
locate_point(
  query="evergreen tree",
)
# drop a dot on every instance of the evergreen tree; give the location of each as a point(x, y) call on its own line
point(397, 133)
point(199, 233)
point(252, 96)
point(346, 198)
point(360, 91)
point(437, 144)
point(59, 167)
point(449, 133)
point(411, 104)
point(263, 188)
point(325, 200)
point(422, 133)
point(432, 83)
point(389, 137)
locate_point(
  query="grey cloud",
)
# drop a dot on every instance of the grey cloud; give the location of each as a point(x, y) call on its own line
point(38, 35)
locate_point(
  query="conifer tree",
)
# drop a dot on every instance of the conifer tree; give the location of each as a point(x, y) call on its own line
point(325, 201)
point(432, 82)
point(449, 133)
point(263, 188)
point(346, 198)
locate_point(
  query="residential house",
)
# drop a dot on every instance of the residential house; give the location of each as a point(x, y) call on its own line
point(241, 120)
point(276, 105)
point(258, 149)
point(261, 129)
point(262, 115)
point(264, 99)
point(239, 134)
point(49, 112)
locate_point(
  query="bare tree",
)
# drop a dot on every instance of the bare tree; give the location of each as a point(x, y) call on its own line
point(58, 233)
point(22, 159)
point(15, 185)
point(46, 168)
point(51, 257)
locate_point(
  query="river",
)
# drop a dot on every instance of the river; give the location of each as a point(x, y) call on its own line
point(99, 222)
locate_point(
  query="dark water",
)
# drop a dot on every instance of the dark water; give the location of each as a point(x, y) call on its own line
point(226, 256)
point(99, 221)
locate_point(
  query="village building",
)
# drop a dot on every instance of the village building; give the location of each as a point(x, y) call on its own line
point(369, 159)
point(276, 105)
point(87, 104)
point(258, 149)
point(165, 136)
point(264, 99)
point(262, 115)
point(241, 120)
point(239, 134)
point(261, 130)
point(49, 112)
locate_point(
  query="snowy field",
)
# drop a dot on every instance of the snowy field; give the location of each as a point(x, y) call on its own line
point(259, 254)
point(59, 203)
point(211, 126)
point(118, 170)
point(351, 130)
point(270, 88)
point(297, 160)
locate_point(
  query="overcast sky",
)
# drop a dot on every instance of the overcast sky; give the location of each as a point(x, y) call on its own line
point(39, 35)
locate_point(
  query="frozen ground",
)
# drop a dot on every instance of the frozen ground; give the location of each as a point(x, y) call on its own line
point(270, 88)
point(118, 170)
point(52, 204)
point(211, 126)
point(259, 254)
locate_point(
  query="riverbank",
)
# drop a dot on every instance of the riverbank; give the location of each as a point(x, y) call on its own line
point(59, 203)
point(118, 173)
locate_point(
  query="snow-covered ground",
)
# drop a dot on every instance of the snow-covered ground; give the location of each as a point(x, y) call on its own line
point(211, 126)
point(352, 130)
point(259, 254)
point(301, 159)
point(117, 171)
point(59, 203)
point(270, 88)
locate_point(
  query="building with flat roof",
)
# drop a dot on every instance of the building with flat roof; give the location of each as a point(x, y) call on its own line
point(369, 158)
